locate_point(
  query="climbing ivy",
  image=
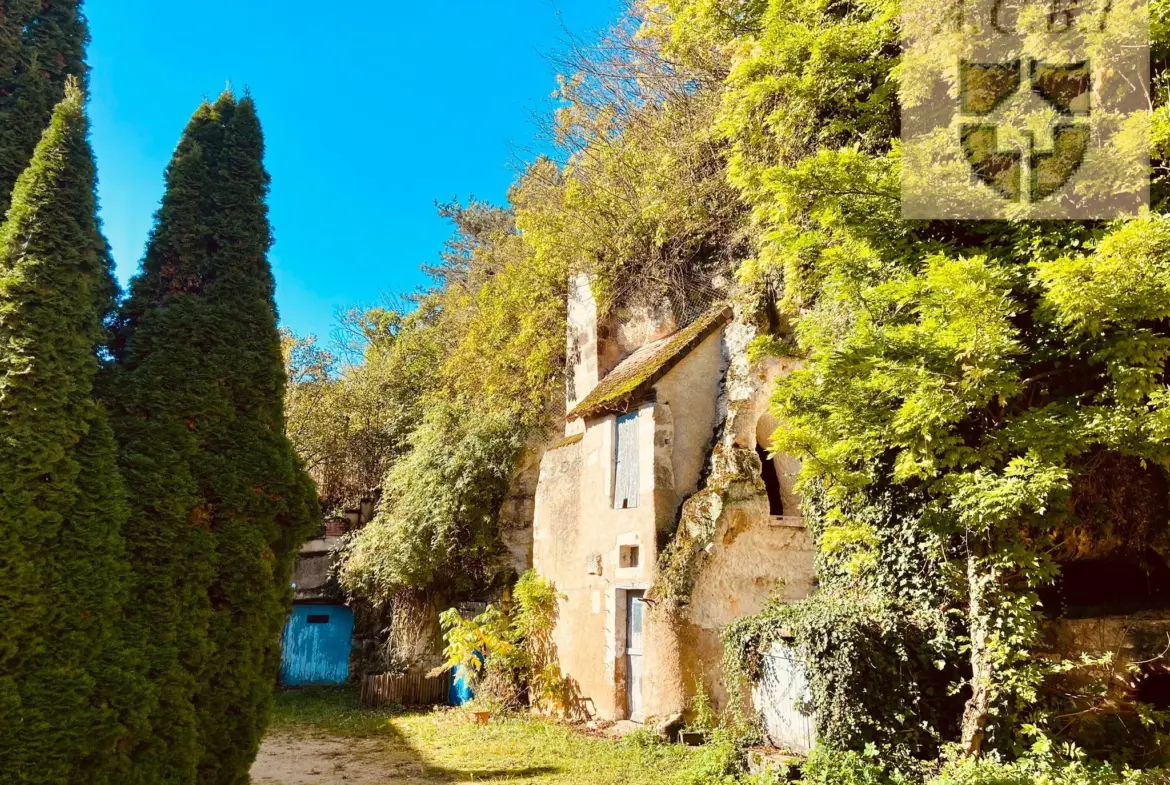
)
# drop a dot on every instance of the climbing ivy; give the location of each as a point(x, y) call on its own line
point(964, 381)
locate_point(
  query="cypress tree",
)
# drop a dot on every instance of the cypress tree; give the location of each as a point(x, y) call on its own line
point(220, 501)
point(65, 687)
point(42, 44)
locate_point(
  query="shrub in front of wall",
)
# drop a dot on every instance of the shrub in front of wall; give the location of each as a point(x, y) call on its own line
point(875, 673)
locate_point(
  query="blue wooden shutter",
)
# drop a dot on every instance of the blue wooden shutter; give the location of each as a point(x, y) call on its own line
point(625, 487)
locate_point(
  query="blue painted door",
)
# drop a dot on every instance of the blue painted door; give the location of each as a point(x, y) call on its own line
point(316, 645)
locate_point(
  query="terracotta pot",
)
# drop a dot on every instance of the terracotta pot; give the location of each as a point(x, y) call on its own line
point(479, 717)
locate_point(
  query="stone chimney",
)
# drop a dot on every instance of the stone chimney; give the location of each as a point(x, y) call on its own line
point(596, 346)
point(584, 371)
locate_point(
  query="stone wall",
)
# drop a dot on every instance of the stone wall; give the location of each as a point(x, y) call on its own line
point(518, 509)
point(582, 341)
point(312, 581)
point(697, 437)
point(579, 536)
point(732, 554)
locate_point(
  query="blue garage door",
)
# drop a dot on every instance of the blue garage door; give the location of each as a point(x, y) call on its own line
point(316, 645)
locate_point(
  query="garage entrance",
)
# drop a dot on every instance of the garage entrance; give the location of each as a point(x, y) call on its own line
point(317, 640)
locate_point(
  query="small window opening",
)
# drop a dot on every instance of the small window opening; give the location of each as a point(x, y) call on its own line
point(318, 618)
point(1118, 584)
point(771, 482)
point(629, 556)
point(1154, 689)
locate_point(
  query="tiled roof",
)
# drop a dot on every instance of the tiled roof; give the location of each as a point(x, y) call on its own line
point(635, 375)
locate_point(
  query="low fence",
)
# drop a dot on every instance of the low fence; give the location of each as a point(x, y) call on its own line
point(408, 690)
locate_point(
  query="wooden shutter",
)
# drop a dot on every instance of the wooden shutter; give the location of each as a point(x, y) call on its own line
point(625, 488)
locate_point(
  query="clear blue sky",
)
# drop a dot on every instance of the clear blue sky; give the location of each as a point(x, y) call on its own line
point(371, 112)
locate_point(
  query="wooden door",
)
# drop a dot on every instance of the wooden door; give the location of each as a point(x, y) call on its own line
point(634, 615)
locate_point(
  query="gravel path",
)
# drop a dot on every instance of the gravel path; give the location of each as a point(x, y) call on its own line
point(294, 760)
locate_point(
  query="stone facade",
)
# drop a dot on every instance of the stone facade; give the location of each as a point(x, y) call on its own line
point(685, 397)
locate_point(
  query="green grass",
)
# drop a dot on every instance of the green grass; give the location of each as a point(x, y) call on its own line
point(444, 747)
point(332, 711)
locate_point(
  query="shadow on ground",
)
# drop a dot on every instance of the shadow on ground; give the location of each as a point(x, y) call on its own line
point(323, 738)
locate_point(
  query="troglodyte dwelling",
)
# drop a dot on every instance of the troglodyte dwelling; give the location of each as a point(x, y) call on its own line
point(661, 515)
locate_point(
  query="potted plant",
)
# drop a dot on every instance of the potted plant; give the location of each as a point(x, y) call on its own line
point(478, 711)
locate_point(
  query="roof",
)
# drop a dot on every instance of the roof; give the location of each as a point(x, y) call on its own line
point(634, 376)
point(567, 441)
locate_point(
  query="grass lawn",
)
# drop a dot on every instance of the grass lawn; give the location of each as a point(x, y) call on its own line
point(441, 746)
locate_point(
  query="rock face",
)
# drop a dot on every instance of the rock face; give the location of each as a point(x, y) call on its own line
point(731, 552)
point(670, 726)
point(518, 509)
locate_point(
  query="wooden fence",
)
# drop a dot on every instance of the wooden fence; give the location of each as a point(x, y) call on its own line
point(409, 690)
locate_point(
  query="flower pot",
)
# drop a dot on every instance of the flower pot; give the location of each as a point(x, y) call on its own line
point(479, 717)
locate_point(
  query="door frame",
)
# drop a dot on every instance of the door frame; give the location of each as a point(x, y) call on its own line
point(621, 662)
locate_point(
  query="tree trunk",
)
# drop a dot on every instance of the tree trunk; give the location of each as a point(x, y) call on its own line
point(977, 711)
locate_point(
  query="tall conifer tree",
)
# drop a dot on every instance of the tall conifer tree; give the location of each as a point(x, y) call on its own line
point(220, 501)
point(42, 44)
point(64, 683)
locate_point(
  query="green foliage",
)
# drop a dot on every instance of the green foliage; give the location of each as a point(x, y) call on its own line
point(437, 525)
point(70, 688)
point(350, 421)
point(487, 339)
point(877, 675)
point(642, 200)
point(508, 649)
point(827, 766)
point(471, 641)
point(220, 502)
point(717, 763)
point(42, 46)
point(1043, 771)
point(703, 715)
point(965, 383)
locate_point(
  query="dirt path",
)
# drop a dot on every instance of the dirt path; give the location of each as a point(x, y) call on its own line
point(294, 760)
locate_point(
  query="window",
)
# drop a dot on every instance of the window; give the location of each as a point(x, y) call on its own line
point(771, 482)
point(625, 487)
point(321, 618)
point(629, 556)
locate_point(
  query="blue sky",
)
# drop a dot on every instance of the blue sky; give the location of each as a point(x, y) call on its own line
point(371, 113)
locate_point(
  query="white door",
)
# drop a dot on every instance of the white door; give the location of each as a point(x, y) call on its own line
point(782, 697)
point(634, 612)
